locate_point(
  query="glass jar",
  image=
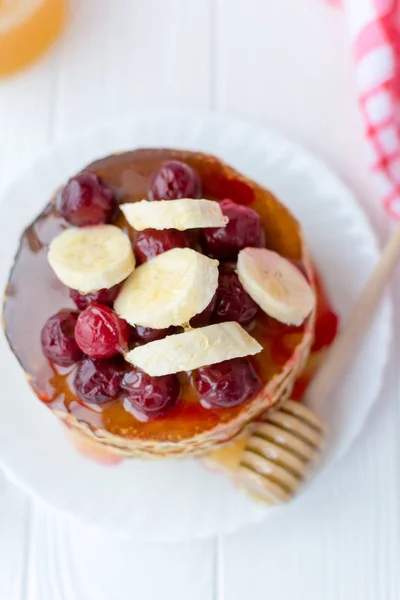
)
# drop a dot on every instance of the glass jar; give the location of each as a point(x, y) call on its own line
point(27, 29)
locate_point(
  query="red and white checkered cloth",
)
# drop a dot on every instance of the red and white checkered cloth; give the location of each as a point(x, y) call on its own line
point(375, 30)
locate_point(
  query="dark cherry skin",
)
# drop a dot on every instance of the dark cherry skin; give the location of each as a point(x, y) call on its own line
point(228, 383)
point(326, 328)
point(244, 229)
point(143, 335)
point(153, 397)
point(86, 200)
point(151, 242)
point(97, 381)
point(58, 341)
point(106, 297)
point(204, 318)
point(174, 180)
point(100, 333)
point(233, 302)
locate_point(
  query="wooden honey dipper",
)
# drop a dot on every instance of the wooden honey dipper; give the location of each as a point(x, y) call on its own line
point(280, 451)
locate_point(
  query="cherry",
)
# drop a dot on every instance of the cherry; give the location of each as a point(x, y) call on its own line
point(228, 383)
point(174, 180)
point(147, 334)
point(106, 296)
point(327, 321)
point(58, 340)
point(244, 229)
point(100, 333)
point(86, 200)
point(153, 397)
point(326, 328)
point(204, 317)
point(97, 381)
point(151, 242)
point(233, 302)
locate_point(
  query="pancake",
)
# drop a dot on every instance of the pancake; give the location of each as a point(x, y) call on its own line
point(34, 294)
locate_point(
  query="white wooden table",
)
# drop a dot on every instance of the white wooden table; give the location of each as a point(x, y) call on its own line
point(285, 64)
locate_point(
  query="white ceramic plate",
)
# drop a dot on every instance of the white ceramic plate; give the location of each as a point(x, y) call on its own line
point(176, 500)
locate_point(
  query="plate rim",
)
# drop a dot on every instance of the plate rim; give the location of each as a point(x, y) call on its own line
point(223, 121)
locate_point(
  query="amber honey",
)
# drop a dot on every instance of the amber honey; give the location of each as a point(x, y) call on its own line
point(27, 29)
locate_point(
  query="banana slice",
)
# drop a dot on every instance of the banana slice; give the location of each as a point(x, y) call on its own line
point(193, 349)
point(186, 213)
point(169, 289)
point(277, 286)
point(89, 259)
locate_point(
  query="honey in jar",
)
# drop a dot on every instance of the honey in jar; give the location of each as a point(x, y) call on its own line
point(27, 29)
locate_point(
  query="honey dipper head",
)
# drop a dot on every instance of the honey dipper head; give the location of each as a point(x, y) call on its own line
point(280, 453)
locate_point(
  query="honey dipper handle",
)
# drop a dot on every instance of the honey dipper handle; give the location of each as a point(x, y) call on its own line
point(340, 353)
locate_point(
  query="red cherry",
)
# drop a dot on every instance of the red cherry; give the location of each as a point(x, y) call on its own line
point(153, 397)
point(300, 388)
point(151, 242)
point(327, 321)
point(174, 180)
point(86, 200)
point(228, 383)
point(233, 303)
point(106, 296)
point(204, 317)
point(243, 230)
point(97, 381)
point(100, 333)
point(235, 189)
point(143, 335)
point(326, 328)
point(58, 340)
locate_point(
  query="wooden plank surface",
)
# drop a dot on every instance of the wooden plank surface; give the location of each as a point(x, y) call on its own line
point(285, 64)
